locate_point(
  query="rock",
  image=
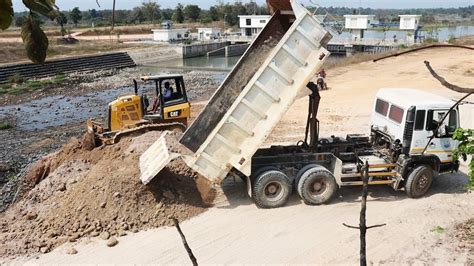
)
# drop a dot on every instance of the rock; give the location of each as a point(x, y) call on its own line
point(134, 230)
point(105, 235)
point(31, 216)
point(44, 250)
point(112, 242)
point(62, 187)
point(72, 238)
point(71, 251)
point(117, 194)
point(121, 233)
point(169, 195)
point(102, 204)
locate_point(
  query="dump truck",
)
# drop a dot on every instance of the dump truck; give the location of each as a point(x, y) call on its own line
point(226, 138)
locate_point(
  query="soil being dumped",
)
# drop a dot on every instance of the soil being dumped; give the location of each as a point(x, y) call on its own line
point(77, 192)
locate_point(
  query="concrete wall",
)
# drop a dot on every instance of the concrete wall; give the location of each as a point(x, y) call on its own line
point(149, 56)
point(195, 50)
point(236, 50)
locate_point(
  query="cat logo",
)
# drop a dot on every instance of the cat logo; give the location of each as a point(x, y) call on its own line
point(176, 113)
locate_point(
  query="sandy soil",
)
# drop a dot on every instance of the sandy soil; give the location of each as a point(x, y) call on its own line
point(236, 231)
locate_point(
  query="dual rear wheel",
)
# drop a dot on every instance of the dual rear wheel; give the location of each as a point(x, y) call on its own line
point(271, 187)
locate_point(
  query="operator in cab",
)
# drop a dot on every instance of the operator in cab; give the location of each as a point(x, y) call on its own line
point(168, 93)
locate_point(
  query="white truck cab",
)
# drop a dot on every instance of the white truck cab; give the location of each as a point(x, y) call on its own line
point(410, 117)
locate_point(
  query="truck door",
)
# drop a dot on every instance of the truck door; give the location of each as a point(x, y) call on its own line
point(442, 144)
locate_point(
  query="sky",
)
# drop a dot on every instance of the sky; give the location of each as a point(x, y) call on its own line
point(128, 4)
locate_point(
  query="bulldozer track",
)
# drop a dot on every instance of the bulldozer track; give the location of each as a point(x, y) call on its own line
point(67, 65)
point(146, 128)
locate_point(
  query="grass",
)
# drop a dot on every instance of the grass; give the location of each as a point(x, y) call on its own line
point(438, 229)
point(18, 88)
point(5, 125)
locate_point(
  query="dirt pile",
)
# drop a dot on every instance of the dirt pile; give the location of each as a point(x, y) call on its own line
point(80, 193)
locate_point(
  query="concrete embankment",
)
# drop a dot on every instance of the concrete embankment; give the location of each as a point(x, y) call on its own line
point(67, 65)
point(231, 50)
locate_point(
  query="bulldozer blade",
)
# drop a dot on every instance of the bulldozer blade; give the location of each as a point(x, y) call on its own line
point(155, 158)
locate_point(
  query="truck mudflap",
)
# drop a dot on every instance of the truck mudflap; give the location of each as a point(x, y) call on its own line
point(155, 158)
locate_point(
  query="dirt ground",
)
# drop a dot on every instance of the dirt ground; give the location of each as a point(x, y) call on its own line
point(422, 231)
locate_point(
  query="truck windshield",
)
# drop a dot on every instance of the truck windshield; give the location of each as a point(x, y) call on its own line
point(447, 127)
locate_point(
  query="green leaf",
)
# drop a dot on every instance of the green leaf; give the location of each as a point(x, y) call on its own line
point(44, 7)
point(35, 41)
point(6, 14)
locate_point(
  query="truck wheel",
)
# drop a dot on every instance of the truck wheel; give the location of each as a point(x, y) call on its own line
point(419, 181)
point(271, 189)
point(317, 186)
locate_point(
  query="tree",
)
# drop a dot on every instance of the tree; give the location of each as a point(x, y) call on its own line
point(35, 41)
point(75, 15)
point(61, 19)
point(178, 15)
point(213, 13)
point(192, 12)
point(93, 14)
point(137, 15)
point(19, 21)
point(151, 11)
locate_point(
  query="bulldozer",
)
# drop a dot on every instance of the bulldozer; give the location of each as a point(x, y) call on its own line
point(135, 114)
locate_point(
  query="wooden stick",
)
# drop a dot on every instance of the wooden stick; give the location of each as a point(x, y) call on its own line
point(185, 243)
point(447, 84)
point(425, 47)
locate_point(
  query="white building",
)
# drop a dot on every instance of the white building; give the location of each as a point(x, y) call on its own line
point(170, 35)
point(251, 25)
point(357, 24)
point(206, 34)
point(409, 22)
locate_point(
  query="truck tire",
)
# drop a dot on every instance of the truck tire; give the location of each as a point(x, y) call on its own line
point(419, 181)
point(271, 189)
point(317, 186)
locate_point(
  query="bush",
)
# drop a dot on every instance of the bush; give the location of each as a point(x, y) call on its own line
point(465, 149)
point(16, 79)
point(4, 125)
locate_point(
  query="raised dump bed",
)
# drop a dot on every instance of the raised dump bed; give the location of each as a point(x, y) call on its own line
point(269, 77)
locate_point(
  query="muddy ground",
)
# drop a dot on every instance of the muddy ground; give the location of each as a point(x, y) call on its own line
point(47, 118)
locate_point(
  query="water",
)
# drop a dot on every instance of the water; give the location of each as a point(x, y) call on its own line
point(442, 34)
point(60, 110)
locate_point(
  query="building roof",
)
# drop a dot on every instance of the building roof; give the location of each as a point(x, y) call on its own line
point(164, 30)
point(406, 98)
point(409, 16)
point(359, 16)
point(255, 16)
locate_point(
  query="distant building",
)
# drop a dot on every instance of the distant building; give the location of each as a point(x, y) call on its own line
point(206, 34)
point(251, 25)
point(409, 22)
point(170, 35)
point(357, 24)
